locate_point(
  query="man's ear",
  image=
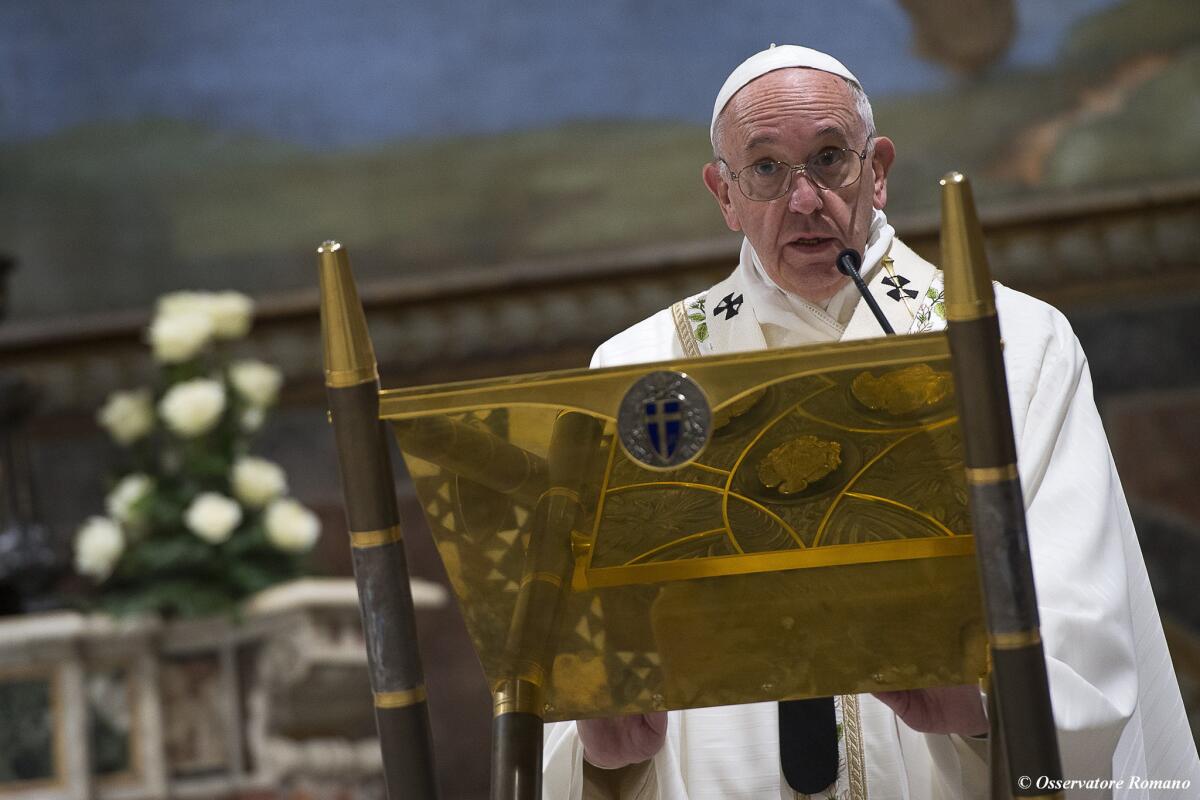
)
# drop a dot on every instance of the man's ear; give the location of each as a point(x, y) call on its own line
point(719, 187)
point(881, 162)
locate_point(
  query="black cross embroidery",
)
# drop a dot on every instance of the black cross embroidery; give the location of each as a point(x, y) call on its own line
point(899, 282)
point(729, 305)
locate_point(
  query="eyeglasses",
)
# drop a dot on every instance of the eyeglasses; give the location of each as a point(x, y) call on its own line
point(832, 168)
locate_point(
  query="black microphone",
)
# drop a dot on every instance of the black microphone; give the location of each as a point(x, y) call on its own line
point(848, 263)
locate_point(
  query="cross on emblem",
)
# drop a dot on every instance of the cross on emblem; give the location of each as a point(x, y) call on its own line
point(662, 420)
point(729, 306)
point(898, 283)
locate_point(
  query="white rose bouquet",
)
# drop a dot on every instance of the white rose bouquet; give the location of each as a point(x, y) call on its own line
point(195, 523)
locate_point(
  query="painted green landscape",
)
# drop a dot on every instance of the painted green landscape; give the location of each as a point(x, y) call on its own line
point(113, 214)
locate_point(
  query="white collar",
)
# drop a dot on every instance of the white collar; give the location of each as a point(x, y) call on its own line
point(838, 309)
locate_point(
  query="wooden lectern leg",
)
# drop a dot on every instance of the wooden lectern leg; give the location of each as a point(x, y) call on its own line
point(517, 741)
point(405, 737)
point(517, 756)
point(385, 597)
point(1019, 681)
point(377, 547)
point(997, 757)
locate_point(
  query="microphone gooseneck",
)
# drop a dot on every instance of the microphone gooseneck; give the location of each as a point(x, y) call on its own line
point(848, 263)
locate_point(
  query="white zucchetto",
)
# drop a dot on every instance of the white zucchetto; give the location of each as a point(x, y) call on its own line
point(769, 60)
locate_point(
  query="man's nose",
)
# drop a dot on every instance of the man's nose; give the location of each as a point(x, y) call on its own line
point(804, 196)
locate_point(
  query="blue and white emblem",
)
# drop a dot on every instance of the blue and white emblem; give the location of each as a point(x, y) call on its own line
point(664, 420)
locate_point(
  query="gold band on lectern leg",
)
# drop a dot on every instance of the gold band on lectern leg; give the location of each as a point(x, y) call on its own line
point(400, 699)
point(361, 540)
point(343, 378)
point(1014, 640)
point(544, 577)
point(982, 475)
point(517, 696)
point(561, 491)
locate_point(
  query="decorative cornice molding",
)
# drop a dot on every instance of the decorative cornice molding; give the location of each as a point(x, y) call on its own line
point(537, 314)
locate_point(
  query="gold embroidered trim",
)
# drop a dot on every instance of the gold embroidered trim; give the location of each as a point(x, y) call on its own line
point(852, 729)
point(683, 327)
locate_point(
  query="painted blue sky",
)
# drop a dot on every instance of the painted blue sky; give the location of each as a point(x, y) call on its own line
point(359, 72)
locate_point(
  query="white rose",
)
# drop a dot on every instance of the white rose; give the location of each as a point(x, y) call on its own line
point(186, 302)
point(257, 481)
point(256, 382)
point(98, 545)
point(179, 336)
point(192, 408)
point(127, 416)
point(212, 517)
point(129, 491)
point(231, 314)
point(252, 419)
point(291, 527)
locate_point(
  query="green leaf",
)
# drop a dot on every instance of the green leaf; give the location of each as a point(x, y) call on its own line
point(245, 540)
point(250, 577)
point(177, 597)
point(702, 331)
point(177, 552)
point(696, 317)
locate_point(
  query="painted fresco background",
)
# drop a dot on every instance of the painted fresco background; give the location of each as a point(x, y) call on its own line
point(154, 145)
point(150, 145)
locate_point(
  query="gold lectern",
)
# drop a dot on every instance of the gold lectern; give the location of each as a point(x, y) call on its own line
point(760, 526)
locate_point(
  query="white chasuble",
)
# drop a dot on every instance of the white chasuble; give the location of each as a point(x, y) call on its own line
point(1116, 700)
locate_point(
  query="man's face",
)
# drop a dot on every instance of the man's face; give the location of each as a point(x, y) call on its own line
point(790, 115)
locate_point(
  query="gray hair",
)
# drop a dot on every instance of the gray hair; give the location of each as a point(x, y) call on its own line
point(862, 105)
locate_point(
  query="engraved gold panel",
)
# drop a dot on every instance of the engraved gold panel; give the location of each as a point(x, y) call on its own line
point(634, 590)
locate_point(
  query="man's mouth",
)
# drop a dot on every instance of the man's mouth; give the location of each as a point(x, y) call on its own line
point(810, 243)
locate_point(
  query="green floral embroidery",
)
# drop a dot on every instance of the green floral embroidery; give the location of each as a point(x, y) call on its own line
point(938, 295)
point(933, 306)
point(697, 314)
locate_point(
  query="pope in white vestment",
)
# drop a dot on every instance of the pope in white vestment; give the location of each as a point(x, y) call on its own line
point(1116, 700)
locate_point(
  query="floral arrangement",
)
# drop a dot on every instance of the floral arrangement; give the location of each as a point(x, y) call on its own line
point(194, 522)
